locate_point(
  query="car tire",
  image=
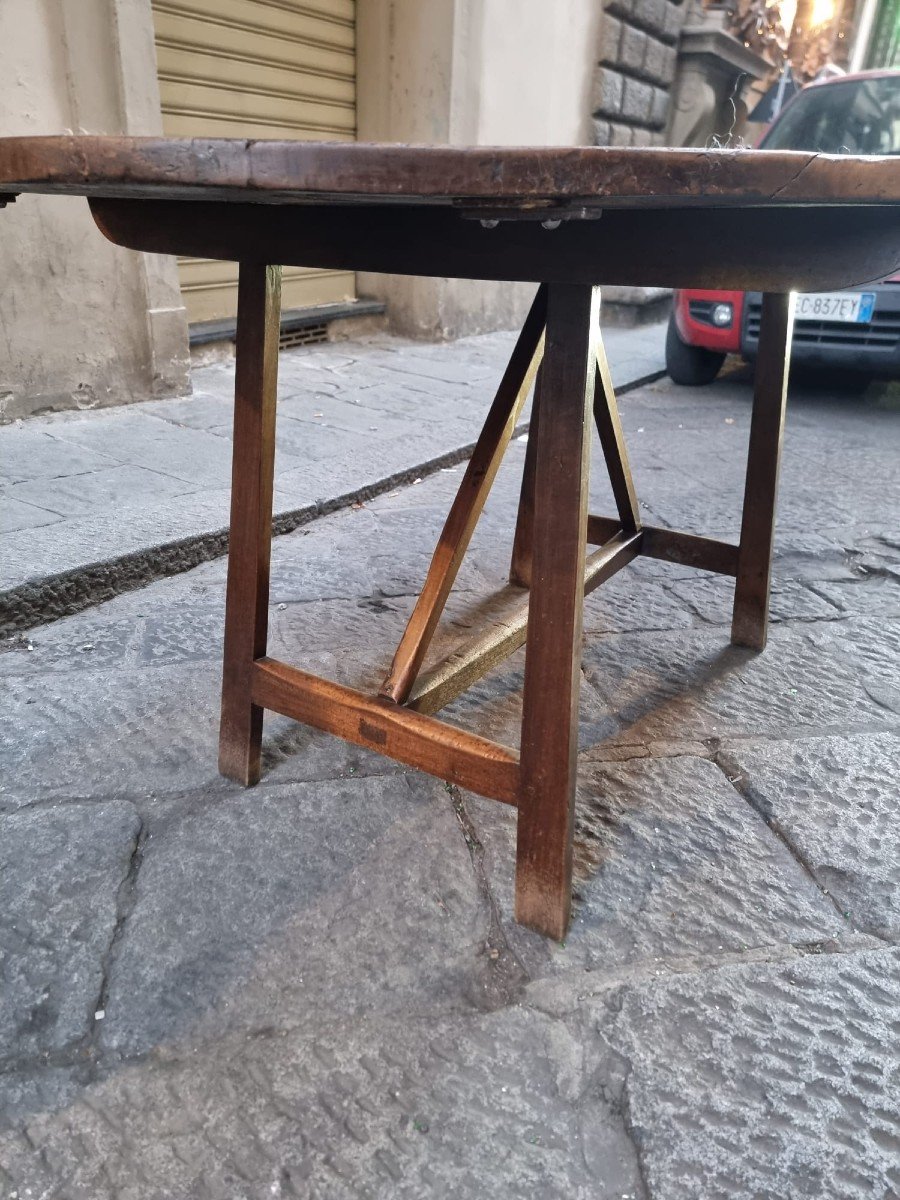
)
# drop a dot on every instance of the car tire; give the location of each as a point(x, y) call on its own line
point(690, 365)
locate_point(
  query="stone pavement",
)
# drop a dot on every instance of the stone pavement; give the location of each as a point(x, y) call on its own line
point(315, 988)
point(94, 503)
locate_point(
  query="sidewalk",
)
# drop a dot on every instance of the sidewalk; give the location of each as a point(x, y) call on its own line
point(94, 503)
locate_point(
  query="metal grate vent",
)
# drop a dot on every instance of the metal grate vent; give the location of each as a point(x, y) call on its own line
point(306, 335)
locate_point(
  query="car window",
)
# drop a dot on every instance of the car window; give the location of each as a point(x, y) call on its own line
point(857, 117)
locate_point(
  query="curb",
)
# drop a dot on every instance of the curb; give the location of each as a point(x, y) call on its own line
point(50, 597)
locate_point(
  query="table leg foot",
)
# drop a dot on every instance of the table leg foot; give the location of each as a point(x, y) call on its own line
point(750, 621)
point(553, 646)
point(250, 537)
point(240, 744)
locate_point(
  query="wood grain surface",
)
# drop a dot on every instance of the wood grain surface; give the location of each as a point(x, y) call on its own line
point(250, 535)
point(477, 482)
point(556, 598)
point(750, 621)
point(413, 738)
point(588, 175)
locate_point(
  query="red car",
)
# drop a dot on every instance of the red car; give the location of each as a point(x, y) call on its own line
point(857, 330)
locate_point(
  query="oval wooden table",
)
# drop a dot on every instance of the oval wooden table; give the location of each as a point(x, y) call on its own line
point(568, 219)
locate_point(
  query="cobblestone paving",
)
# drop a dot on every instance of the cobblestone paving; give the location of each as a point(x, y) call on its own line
point(315, 988)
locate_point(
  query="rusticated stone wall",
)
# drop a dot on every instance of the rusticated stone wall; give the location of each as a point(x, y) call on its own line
point(638, 49)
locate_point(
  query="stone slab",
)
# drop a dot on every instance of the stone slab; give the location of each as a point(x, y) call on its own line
point(695, 685)
point(136, 437)
point(712, 598)
point(835, 798)
point(145, 733)
point(870, 647)
point(638, 599)
point(31, 452)
point(60, 874)
point(373, 1108)
point(18, 514)
point(868, 594)
point(746, 1081)
point(102, 734)
point(240, 904)
point(752, 1081)
point(670, 861)
point(102, 492)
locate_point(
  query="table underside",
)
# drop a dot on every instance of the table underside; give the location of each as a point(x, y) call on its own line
point(788, 248)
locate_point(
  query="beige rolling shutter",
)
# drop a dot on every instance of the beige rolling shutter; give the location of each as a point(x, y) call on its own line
point(264, 69)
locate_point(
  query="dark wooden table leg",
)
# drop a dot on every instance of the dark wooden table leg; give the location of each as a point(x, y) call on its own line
point(553, 646)
point(750, 622)
point(250, 539)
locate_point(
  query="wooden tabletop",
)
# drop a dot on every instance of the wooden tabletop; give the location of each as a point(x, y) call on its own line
point(744, 219)
point(519, 178)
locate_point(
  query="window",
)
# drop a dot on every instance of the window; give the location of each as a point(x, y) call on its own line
point(856, 117)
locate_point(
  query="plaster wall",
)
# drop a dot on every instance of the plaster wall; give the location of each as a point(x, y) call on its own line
point(471, 72)
point(82, 323)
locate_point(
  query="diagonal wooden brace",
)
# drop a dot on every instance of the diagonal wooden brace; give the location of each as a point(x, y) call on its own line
point(609, 427)
point(612, 441)
point(469, 502)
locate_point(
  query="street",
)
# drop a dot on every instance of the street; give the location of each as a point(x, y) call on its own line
point(315, 988)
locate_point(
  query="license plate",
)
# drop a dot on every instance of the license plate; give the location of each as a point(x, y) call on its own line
point(850, 307)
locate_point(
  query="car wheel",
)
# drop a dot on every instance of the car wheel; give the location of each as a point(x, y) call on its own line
point(691, 365)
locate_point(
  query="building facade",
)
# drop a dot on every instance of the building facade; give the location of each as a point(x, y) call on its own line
point(85, 323)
